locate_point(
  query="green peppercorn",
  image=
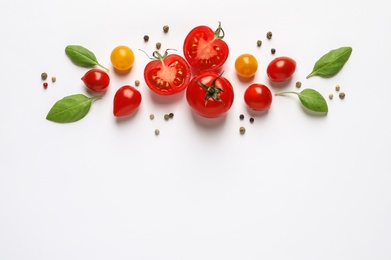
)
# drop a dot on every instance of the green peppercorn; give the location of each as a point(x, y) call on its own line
point(166, 28)
point(342, 95)
point(269, 35)
point(151, 116)
point(331, 96)
point(166, 116)
point(259, 43)
point(242, 130)
point(44, 75)
point(158, 45)
point(157, 131)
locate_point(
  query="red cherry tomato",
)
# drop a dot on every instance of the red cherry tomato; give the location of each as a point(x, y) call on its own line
point(258, 97)
point(281, 69)
point(127, 99)
point(96, 80)
point(168, 74)
point(210, 94)
point(205, 49)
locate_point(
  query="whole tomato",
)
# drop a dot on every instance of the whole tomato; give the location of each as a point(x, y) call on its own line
point(122, 58)
point(167, 74)
point(210, 94)
point(127, 100)
point(205, 49)
point(281, 69)
point(258, 97)
point(96, 80)
point(246, 65)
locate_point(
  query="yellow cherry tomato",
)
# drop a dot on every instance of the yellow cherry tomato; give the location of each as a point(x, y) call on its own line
point(246, 65)
point(122, 58)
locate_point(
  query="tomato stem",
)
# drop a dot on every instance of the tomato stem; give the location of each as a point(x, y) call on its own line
point(286, 92)
point(219, 33)
point(157, 56)
point(212, 91)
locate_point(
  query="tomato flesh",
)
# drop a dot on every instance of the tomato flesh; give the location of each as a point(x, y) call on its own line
point(167, 76)
point(204, 50)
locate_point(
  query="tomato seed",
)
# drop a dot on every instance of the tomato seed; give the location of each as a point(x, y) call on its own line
point(44, 75)
point(269, 35)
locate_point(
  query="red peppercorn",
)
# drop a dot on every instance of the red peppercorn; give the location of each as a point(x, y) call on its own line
point(45, 84)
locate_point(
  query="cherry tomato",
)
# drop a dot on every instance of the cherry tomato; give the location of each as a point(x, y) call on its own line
point(167, 74)
point(205, 49)
point(96, 80)
point(122, 58)
point(210, 94)
point(258, 97)
point(246, 65)
point(281, 69)
point(127, 99)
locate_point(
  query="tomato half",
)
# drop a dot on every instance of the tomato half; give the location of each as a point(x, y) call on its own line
point(205, 49)
point(281, 69)
point(167, 74)
point(210, 94)
point(258, 97)
point(96, 80)
point(127, 100)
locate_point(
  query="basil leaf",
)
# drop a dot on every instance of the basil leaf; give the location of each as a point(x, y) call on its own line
point(70, 109)
point(81, 56)
point(310, 99)
point(331, 63)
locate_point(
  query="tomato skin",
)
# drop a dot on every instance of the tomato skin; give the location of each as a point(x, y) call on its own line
point(122, 58)
point(205, 49)
point(246, 65)
point(258, 97)
point(214, 106)
point(168, 75)
point(96, 80)
point(127, 100)
point(281, 69)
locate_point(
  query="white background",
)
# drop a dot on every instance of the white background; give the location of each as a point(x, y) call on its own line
point(295, 186)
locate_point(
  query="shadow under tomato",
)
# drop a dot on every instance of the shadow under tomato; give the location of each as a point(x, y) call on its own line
point(123, 119)
point(168, 99)
point(280, 85)
point(121, 72)
point(209, 123)
point(255, 113)
point(244, 79)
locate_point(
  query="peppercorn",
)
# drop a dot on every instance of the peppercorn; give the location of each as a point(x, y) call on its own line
point(342, 95)
point(259, 43)
point(269, 35)
point(54, 79)
point(44, 75)
point(298, 84)
point(273, 51)
point(45, 84)
point(171, 115)
point(337, 87)
point(331, 96)
point(158, 45)
point(157, 131)
point(151, 116)
point(166, 116)
point(251, 120)
point(242, 130)
point(146, 38)
point(137, 82)
point(241, 117)
point(166, 28)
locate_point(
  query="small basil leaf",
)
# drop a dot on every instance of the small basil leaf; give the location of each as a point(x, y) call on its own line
point(313, 100)
point(331, 63)
point(81, 56)
point(310, 99)
point(70, 109)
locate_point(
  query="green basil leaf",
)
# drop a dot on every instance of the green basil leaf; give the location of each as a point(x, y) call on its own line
point(70, 109)
point(81, 56)
point(313, 100)
point(310, 99)
point(331, 63)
